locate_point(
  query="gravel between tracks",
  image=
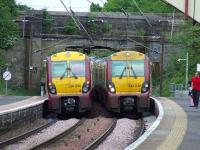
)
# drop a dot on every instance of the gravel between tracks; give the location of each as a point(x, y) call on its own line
point(121, 136)
point(20, 129)
point(44, 135)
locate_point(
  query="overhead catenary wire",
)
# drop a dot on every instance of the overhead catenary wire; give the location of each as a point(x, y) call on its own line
point(147, 20)
point(53, 45)
point(100, 11)
point(90, 37)
point(72, 14)
point(148, 48)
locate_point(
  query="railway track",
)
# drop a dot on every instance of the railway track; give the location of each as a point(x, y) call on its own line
point(25, 135)
point(58, 137)
point(102, 137)
point(69, 135)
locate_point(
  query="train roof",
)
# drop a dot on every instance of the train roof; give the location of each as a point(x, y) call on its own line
point(68, 55)
point(128, 55)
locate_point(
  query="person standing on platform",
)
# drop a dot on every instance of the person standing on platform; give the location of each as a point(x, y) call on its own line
point(190, 93)
point(196, 89)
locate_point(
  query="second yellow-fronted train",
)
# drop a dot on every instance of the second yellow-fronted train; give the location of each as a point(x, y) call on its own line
point(122, 81)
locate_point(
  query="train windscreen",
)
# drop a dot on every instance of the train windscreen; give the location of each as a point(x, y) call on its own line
point(59, 68)
point(128, 68)
point(137, 68)
point(77, 68)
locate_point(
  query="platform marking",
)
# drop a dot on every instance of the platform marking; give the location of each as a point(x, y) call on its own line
point(147, 133)
point(178, 130)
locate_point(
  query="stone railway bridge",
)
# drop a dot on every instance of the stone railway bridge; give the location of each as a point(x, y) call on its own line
point(27, 55)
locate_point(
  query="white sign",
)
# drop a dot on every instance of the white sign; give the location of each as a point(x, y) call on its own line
point(7, 75)
point(198, 67)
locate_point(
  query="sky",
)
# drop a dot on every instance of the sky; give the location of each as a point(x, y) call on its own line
point(56, 5)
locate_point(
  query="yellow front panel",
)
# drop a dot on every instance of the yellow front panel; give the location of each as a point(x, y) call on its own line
point(129, 85)
point(69, 85)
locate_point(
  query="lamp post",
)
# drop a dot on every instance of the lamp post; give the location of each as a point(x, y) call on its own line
point(186, 69)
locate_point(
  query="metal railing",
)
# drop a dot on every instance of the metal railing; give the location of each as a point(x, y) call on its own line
point(175, 89)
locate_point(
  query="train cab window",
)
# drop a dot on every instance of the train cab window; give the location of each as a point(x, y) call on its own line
point(137, 68)
point(58, 68)
point(118, 67)
point(77, 68)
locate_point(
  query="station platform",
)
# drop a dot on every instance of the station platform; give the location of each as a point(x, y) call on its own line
point(14, 103)
point(179, 127)
point(15, 110)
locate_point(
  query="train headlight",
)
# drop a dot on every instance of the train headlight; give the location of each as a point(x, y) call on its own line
point(145, 87)
point(86, 87)
point(111, 87)
point(52, 88)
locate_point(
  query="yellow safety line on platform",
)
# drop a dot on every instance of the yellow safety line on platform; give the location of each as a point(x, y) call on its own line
point(176, 135)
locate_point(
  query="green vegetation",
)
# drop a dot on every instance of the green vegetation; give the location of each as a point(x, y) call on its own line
point(15, 91)
point(46, 22)
point(70, 27)
point(106, 27)
point(23, 7)
point(188, 39)
point(101, 53)
point(95, 8)
point(156, 6)
point(8, 28)
point(96, 26)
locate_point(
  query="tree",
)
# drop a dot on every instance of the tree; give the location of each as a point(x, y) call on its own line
point(95, 8)
point(145, 5)
point(46, 22)
point(11, 4)
point(8, 29)
point(23, 7)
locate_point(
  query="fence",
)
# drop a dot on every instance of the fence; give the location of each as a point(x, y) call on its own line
point(176, 89)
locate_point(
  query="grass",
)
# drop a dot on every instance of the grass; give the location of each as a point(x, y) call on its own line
point(15, 91)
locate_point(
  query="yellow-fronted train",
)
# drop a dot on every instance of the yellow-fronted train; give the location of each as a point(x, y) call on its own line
point(68, 78)
point(122, 81)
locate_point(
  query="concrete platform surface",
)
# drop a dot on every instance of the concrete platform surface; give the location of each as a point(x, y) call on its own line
point(5, 100)
point(14, 103)
point(191, 140)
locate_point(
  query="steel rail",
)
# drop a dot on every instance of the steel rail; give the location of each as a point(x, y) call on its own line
point(25, 135)
point(56, 138)
point(101, 138)
point(141, 129)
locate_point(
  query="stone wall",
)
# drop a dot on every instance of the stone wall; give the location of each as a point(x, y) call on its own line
point(21, 116)
point(26, 68)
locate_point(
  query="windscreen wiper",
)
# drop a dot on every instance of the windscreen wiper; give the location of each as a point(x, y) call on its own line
point(63, 74)
point(70, 70)
point(122, 73)
point(134, 74)
point(74, 75)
